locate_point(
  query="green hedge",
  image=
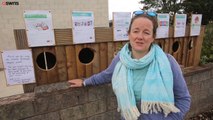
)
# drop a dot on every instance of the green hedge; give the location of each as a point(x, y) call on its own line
point(207, 47)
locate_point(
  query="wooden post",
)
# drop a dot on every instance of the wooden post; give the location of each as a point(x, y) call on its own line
point(80, 67)
point(61, 63)
point(184, 52)
point(41, 75)
point(190, 51)
point(71, 62)
point(110, 52)
point(52, 73)
point(198, 47)
point(103, 56)
point(89, 67)
point(96, 65)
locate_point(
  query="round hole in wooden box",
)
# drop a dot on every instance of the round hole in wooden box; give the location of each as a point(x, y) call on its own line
point(86, 55)
point(46, 60)
point(175, 46)
point(190, 44)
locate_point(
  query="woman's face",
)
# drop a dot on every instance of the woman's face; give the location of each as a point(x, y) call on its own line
point(141, 35)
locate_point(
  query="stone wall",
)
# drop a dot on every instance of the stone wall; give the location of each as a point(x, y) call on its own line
point(49, 103)
point(59, 102)
point(200, 81)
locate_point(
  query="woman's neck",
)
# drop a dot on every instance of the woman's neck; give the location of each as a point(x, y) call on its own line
point(138, 55)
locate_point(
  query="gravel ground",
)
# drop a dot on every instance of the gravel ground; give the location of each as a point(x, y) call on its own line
point(208, 115)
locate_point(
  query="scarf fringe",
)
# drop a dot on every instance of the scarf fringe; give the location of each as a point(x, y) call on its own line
point(166, 108)
point(131, 113)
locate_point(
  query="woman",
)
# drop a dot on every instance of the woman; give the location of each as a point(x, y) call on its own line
point(148, 83)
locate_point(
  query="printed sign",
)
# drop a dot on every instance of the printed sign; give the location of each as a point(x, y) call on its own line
point(39, 28)
point(121, 21)
point(180, 25)
point(163, 26)
point(195, 24)
point(83, 27)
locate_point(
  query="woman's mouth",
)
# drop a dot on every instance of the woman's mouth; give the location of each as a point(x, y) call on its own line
point(139, 43)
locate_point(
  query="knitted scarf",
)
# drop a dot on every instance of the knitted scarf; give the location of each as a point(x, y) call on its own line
point(157, 90)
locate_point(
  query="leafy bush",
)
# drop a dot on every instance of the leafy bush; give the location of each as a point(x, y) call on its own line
point(207, 47)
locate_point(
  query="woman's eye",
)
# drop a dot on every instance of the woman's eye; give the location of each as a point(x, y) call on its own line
point(147, 33)
point(135, 31)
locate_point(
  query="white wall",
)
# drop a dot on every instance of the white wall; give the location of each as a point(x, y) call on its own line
point(11, 17)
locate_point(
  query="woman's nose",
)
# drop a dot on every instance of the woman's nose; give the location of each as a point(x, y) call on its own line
point(140, 35)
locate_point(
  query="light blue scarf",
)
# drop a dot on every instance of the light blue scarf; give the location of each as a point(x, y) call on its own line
point(157, 90)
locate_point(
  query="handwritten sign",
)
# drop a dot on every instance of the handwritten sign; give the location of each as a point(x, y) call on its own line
point(18, 66)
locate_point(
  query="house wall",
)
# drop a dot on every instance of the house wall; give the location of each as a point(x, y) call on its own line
point(11, 17)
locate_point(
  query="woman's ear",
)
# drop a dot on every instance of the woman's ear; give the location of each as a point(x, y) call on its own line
point(154, 36)
point(153, 40)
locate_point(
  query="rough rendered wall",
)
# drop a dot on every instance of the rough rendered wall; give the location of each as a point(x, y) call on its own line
point(11, 17)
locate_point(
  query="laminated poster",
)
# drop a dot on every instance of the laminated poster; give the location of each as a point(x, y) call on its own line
point(195, 24)
point(83, 27)
point(121, 21)
point(163, 26)
point(39, 28)
point(180, 25)
point(18, 67)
